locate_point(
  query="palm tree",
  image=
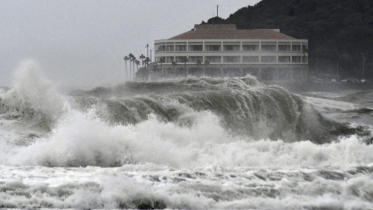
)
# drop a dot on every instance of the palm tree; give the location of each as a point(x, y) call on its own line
point(142, 57)
point(205, 63)
point(146, 61)
point(174, 65)
point(131, 60)
point(137, 64)
point(133, 67)
point(125, 60)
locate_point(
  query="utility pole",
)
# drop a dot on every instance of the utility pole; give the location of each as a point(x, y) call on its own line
point(217, 10)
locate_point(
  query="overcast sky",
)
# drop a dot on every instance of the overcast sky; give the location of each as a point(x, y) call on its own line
point(82, 42)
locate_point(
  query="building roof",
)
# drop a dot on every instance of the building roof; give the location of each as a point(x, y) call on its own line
point(229, 31)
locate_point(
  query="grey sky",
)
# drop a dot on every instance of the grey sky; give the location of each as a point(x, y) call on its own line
point(82, 42)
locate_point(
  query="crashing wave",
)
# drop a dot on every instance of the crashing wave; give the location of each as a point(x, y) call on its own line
point(32, 99)
point(244, 106)
point(188, 121)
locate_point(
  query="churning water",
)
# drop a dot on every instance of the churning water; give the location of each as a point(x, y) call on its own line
point(189, 143)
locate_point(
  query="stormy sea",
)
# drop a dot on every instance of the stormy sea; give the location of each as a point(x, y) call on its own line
point(192, 143)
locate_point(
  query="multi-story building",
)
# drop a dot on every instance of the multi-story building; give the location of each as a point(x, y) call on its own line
point(223, 50)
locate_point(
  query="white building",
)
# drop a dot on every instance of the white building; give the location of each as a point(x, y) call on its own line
point(265, 53)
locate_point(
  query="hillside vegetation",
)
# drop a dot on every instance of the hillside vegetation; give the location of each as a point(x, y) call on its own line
point(340, 32)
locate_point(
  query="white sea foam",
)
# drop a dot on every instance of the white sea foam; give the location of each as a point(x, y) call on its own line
point(32, 91)
point(82, 138)
point(196, 165)
point(120, 188)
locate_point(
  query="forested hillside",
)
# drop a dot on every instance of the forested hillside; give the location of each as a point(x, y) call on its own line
point(340, 32)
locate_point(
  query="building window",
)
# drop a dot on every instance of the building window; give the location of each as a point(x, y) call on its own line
point(296, 48)
point(194, 59)
point(180, 59)
point(213, 59)
point(231, 59)
point(169, 48)
point(169, 59)
point(181, 48)
point(250, 59)
point(231, 47)
point(195, 47)
point(284, 59)
point(305, 59)
point(269, 47)
point(250, 47)
point(212, 48)
point(161, 48)
point(269, 59)
point(297, 59)
point(304, 48)
point(284, 48)
point(159, 59)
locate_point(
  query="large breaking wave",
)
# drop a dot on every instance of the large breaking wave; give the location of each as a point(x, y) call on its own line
point(181, 123)
point(243, 106)
point(229, 143)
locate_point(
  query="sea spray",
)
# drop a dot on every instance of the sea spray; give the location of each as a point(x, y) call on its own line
point(224, 143)
point(146, 186)
point(33, 98)
point(82, 139)
point(243, 107)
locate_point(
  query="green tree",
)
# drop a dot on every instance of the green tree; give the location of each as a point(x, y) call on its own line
point(146, 61)
point(137, 62)
point(126, 58)
point(132, 67)
point(142, 57)
point(130, 56)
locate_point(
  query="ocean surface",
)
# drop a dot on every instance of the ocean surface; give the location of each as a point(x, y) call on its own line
point(206, 143)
